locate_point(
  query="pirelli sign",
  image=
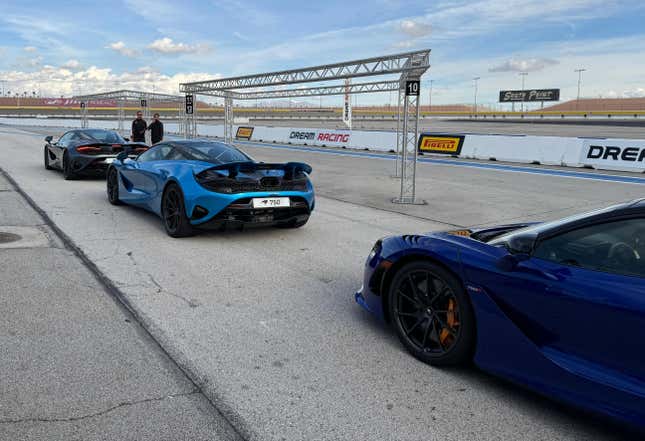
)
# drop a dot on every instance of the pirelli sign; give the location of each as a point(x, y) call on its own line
point(441, 144)
point(244, 133)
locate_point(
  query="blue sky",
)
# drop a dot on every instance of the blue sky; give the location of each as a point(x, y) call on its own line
point(70, 47)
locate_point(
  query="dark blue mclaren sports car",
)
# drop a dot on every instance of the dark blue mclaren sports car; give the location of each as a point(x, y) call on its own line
point(211, 185)
point(558, 307)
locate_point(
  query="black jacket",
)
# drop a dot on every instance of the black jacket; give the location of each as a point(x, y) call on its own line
point(139, 127)
point(156, 131)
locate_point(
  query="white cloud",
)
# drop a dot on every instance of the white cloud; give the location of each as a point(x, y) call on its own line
point(121, 48)
point(30, 49)
point(57, 81)
point(415, 28)
point(71, 64)
point(527, 65)
point(168, 46)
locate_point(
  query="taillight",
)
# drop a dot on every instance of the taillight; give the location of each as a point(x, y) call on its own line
point(87, 150)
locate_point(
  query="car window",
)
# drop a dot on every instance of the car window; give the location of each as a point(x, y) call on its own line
point(176, 155)
point(215, 152)
point(106, 136)
point(66, 138)
point(615, 247)
point(157, 153)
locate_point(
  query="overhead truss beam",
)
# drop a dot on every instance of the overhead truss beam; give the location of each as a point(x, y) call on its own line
point(129, 95)
point(341, 89)
point(390, 64)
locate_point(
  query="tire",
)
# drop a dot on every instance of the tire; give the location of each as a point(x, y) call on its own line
point(113, 186)
point(294, 224)
point(68, 174)
point(436, 325)
point(173, 212)
point(47, 166)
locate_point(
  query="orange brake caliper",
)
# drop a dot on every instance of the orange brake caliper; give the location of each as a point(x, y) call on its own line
point(445, 336)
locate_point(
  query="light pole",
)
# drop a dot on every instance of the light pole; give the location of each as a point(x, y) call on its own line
point(430, 97)
point(523, 75)
point(476, 80)
point(579, 82)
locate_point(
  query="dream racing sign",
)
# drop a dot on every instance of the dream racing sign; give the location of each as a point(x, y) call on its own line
point(614, 154)
point(441, 144)
point(244, 133)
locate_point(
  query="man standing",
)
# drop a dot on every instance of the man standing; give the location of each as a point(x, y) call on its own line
point(139, 127)
point(156, 129)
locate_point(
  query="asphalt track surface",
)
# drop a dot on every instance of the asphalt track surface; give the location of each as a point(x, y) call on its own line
point(80, 367)
point(264, 320)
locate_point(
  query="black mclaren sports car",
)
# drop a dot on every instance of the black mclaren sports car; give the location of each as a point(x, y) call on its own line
point(87, 151)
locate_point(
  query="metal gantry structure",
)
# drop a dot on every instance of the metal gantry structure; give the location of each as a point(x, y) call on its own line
point(124, 96)
point(409, 67)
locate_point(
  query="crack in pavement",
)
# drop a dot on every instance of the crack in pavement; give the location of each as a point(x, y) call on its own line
point(96, 414)
point(160, 289)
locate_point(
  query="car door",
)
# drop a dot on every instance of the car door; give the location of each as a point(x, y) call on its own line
point(143, 174)
point(58, 148)
point(596, 298)
point(580, 298)
point(152, 176)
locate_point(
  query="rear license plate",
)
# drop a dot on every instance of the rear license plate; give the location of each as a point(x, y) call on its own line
point(270, 202)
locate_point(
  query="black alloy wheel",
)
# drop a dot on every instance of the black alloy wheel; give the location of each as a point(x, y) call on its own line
point(68, 174)
point(47, 166)
point(432, 315)
point(173, 212)
point(113, 186)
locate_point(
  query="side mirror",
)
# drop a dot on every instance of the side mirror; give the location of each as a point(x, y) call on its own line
point(122, 156)
point(127, 139)
point(49, 138)
point(509, 262)
point(521, 244)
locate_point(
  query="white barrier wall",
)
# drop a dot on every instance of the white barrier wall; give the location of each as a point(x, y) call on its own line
point(549, 150)
point(600, 153)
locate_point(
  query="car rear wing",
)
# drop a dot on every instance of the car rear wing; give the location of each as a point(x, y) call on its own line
point(291, 169)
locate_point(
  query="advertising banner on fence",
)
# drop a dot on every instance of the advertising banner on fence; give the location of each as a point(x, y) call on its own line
point(347, 107)
point(244, 133)
point(442, 144)
point(334, 138)
point(614, 154)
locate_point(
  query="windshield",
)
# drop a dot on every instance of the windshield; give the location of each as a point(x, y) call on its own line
point(535, 230)
point(215, 152)
point(101, 136)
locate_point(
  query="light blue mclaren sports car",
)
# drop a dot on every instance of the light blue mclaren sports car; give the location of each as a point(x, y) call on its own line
point(211, 185)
